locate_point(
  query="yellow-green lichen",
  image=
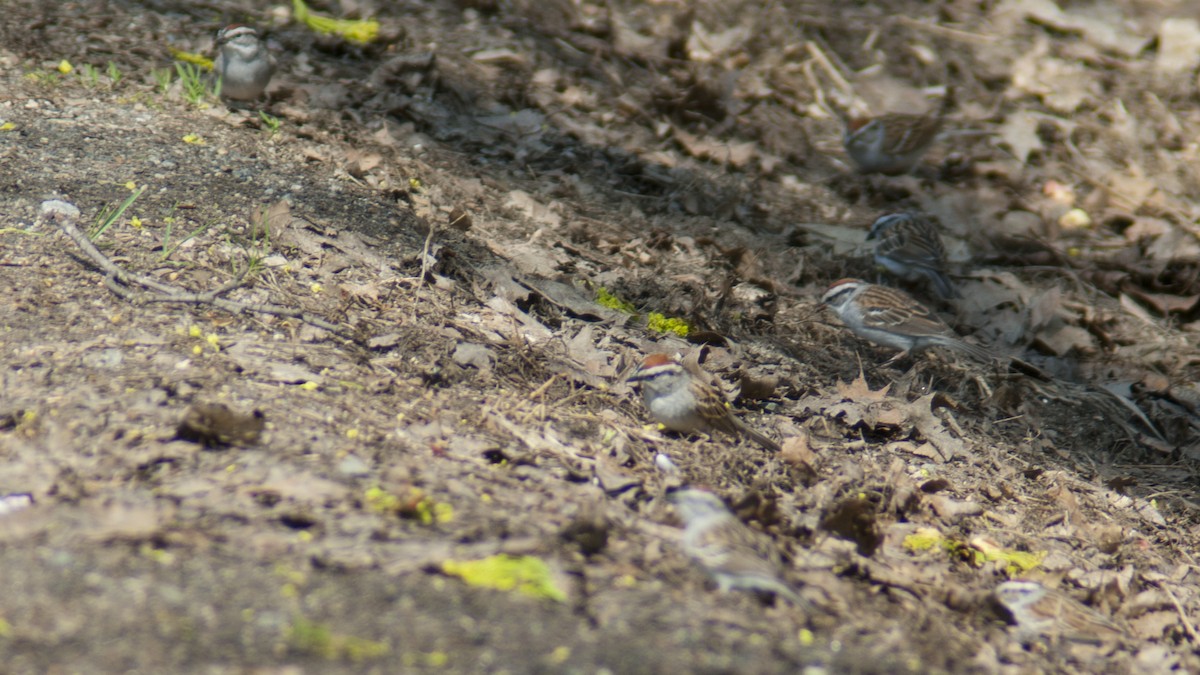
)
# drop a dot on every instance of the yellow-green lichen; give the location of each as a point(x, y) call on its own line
point(317, 639)
point(923, 540)
point(662, 324)
point(360, 31)
point(606, 299)
point(192, 58)
point(977, 552)
point(525, 574)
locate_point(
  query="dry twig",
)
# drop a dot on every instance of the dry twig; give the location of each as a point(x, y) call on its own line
point(119, 281)
point(1183, 617)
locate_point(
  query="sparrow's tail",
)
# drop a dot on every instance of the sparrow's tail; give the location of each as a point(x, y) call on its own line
point(941, 284)
point(974, 351)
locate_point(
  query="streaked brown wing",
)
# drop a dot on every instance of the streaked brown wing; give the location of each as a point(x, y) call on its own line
point(912, 132)
point(915, 240)
point(888, 307)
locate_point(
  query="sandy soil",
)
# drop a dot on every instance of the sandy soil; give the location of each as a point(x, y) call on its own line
point(433, 277)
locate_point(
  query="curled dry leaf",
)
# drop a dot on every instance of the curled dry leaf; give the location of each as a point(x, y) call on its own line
point(798, 454)
point(215, 424)
point(1178, 46)
point(1019, 132)
point(854, 518)
point(271, 221)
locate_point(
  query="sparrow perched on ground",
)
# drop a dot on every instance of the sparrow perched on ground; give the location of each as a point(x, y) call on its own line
point(243, 63)
point(893, 143)
point(1038, 610)
point(732, 553)
point(892, 318)
point(909, 246)
point(682, 401)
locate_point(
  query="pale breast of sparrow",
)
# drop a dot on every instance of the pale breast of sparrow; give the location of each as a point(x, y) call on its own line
point(682, 401)
point(734, 555)
point(892, 318)
point(243, 64)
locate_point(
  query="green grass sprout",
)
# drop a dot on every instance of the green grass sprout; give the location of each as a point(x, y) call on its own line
point(162, 79)
point(270, 122)
point(169, 248)
point(90, 75)
point(109, 214)
point(195, 90)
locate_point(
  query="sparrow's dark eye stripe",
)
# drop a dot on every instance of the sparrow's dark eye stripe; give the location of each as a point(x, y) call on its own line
point(835, 298)
point(886, 223)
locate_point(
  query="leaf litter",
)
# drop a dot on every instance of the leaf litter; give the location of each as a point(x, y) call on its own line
point(499, 395)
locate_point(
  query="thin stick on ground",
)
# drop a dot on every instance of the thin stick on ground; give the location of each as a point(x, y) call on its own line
point(119, 281)
point(425, 266)
point(1183, 616)
point(815, 51)
point(950, 33)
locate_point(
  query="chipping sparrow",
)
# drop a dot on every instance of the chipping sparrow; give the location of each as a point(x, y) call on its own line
point(243, 63)
point(683, 401)
point(732, 553)
point(893, 143)
point(909, 246)
point(1038, 610)
point(892, 318)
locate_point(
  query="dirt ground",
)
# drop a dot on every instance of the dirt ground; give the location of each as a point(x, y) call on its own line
point(431, 278)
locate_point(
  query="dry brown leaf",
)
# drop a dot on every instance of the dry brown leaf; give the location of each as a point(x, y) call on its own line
point(705, 47)
point(359, 163)
point(587, 364)
point(1101, 24)
point(926, 450)
point(1131, 306)
point(1178, 46)
point(527, 328)
point(1174, 245)
point(216, 424)
point(884, 416)
point(1062, 339)
point(859, 390)
point(1154, 625)
point(300, 487)
point(612, 477)
point(853, 518)
point(532, 208)
point(475, 355)
point(797, 452)
point(1044, 308)
point(627, 41)
point(737, 155)
point(1019, 131)
point(922, 417)
point(950, 510)
point(128, 521)
point(499, 56)
point(1166, 304)
point(903, 497)
point(1062, 85)
point(271, 221)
